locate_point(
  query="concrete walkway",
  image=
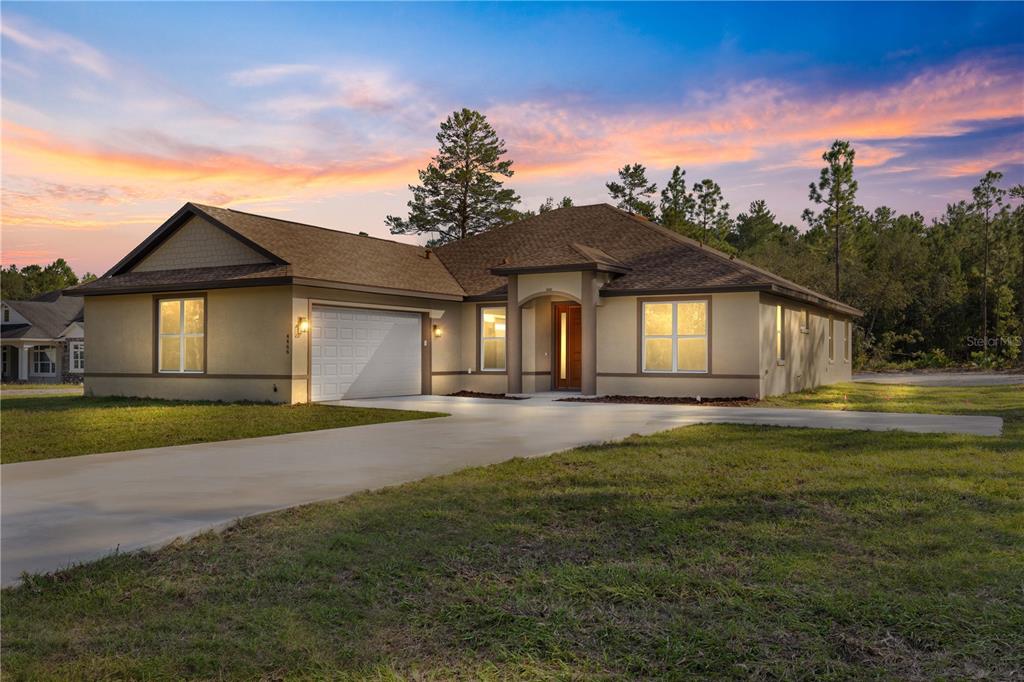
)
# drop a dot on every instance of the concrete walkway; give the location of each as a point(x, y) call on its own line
point(940, 378)
point(61, 511)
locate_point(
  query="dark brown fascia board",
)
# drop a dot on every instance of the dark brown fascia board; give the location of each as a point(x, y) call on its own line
point(173, 223)
point(572, 267)
point(768, 288)
point(188, 286)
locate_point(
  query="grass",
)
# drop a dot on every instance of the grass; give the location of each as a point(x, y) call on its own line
point(900, 398)
point(43, 427)
point(708, 551)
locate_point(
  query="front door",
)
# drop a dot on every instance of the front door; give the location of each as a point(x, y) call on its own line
point(568, 332)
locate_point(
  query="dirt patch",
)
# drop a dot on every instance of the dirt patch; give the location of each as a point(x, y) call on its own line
point(660, 400)
point(477, 394)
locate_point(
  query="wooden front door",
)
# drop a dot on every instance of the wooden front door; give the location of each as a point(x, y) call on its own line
point(567, 331)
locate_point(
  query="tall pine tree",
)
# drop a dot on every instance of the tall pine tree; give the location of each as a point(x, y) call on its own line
point(460, 191)
point(634, 190)
point(677, 205)
point(837, 191)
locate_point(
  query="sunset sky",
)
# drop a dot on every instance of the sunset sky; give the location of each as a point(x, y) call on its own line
point(116, 114)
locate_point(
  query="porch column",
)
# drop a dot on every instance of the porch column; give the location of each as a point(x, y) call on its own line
point(23, 353)
point(588, 344)
point(514, 337)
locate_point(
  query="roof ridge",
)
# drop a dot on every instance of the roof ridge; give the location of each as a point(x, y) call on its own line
point(309, 225)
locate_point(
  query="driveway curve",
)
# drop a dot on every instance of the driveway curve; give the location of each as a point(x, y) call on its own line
point(63, 511)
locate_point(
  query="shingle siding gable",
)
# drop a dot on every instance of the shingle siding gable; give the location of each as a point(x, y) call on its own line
point(198, 244)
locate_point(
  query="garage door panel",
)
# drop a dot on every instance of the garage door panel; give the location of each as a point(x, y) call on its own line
point(363, 353)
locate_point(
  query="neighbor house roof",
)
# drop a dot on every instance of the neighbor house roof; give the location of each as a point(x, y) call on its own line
point(650, 258)
point(48, 316)
point(642, 257)
point(295, 251)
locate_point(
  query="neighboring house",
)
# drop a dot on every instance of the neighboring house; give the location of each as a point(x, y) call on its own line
point(43, 340)
point(225, 305)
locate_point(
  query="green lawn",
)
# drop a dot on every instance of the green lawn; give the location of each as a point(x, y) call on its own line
point(42, 427)
point(710, 551)
point(900, 398)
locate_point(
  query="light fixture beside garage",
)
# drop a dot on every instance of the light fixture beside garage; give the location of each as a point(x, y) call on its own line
point(301, 327)
point(437, 331)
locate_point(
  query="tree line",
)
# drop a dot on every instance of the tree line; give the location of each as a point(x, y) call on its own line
point(20, 284)
point(934, 293)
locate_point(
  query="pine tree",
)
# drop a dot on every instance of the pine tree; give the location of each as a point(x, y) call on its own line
point(837, 190)
point(549, 204)
point(988, 197)
point(712, 213)
point(633, 192)
point(677, 205)
point(460, 191)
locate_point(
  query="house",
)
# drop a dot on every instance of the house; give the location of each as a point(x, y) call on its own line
point(43, 340)
point(226, 305)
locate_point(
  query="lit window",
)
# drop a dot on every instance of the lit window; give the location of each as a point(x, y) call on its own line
point(182, 330)
point(43, 360)
point(675, 336)
point(846, 341)
point(831, 339)
point(492, 339)
point(805, 321)
point(780, 336)
point(77, 356)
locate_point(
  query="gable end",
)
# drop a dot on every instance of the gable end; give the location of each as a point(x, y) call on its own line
point(198, 243)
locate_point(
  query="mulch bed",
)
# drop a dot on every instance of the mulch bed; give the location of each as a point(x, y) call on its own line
point(659, 400)
point(492, 396)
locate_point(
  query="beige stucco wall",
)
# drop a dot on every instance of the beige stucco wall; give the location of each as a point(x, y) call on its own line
point(806, 364)
point(566, 283)
point(247, 347)
point(199, 244)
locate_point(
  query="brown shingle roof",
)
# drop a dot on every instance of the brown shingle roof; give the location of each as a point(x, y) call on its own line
point(48, 316)
point(300, 251)
point(655, 258)
point(186, 278)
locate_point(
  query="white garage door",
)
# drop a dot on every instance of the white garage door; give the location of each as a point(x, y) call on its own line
point(361, 353)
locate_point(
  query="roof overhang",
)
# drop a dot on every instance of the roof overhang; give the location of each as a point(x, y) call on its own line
point(775, 289)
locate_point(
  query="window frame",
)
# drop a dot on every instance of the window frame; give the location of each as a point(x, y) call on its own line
point(779, 338)
point(846, 340)
point(831, 338)
point(675, 336)
point(74, 366)
point(157, 300)
point(35, 363)
point(805, 321)
point(481, 309)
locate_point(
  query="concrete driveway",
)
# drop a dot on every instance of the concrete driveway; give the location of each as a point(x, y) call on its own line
point(940, 378)
point(62, 511)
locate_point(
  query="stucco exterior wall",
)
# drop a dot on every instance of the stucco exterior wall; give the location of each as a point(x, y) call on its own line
point(567, 283)
point(248, 354)
point(198, 244)
point(733, 369)
point(806, 362)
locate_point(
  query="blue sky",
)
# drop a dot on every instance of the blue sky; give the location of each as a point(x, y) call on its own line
point(115, 114)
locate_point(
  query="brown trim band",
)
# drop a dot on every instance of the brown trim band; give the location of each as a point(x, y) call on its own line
point(677, 375)
point(190, 375)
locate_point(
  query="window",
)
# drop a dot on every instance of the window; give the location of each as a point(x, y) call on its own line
point(675, 337)
point(805, 321)
point(492, 339)
point(182, 329)
point(77, 356)
point(43, 360)
point(780, 336)
point(831, 339)
point(7, 314)
point(846, 341)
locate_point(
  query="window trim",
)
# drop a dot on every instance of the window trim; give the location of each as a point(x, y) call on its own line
point(780, 346)
point(52, 363)
point(805, 321)
point(72, 345)
point(480, 308)
point(641, 350)
point(831, 339)
point(184, 296)
point(846, 341)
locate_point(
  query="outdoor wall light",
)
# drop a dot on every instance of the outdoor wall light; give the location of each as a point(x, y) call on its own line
point(301, 327)
point(437, 331)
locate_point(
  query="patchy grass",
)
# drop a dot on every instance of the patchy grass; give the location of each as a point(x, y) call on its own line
point(899, 398)
point(708, 551)
point(42, 427)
